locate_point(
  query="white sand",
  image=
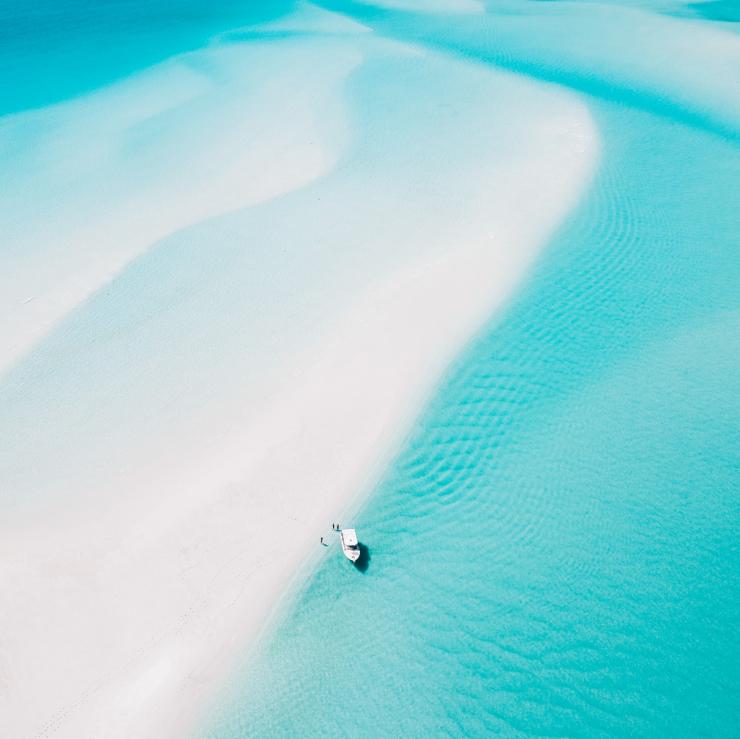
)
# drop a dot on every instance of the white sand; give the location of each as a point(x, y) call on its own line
point(128, 600)
point(144, 158)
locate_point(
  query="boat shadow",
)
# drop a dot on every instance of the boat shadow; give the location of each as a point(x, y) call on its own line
point(363, 561)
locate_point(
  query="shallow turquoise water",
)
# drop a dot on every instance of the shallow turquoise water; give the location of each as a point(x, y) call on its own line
point(555, 549)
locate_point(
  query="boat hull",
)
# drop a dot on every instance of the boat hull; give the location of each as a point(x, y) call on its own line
point(351, 554)
point(350, 544)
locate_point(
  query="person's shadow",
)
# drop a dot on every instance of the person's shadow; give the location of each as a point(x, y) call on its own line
point(363, 561)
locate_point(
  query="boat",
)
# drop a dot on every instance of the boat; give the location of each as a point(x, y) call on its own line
point(350, 545)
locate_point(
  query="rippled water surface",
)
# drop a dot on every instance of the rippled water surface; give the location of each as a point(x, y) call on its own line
point(554, 551)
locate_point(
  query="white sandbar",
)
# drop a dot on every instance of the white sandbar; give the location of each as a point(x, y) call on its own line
point(166, 418)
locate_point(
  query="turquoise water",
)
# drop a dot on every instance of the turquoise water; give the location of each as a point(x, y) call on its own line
point(554, 551)
point(51, 51)
point(555, 548)
point(719, 10)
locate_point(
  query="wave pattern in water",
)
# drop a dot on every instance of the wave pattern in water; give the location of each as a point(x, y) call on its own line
point(554, 551)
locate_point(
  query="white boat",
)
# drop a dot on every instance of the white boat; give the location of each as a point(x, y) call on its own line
point(350, 545)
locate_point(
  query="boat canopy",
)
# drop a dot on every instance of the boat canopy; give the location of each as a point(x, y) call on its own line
point(349, 537)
